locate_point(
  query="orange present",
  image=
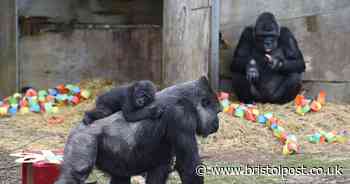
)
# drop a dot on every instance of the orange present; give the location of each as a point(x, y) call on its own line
point(321, 98)
point(230, 110)
point(299, 99)
point(61, 88)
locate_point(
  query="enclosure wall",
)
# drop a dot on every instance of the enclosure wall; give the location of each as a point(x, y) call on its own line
point(121, 54)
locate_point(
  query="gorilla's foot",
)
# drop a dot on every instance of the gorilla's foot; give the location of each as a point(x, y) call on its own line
point(255, 93)
point(120, 180)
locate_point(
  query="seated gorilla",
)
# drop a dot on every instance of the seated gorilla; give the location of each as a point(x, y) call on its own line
point(131, 99)
point(124, 149)
point(267, 65)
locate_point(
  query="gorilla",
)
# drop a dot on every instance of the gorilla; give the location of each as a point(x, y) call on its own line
point(130, 99)
point(267, 64)
point(123, 149)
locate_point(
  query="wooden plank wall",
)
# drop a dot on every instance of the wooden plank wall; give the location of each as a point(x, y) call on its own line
point(121, 54)
point(186, 43)
point(8, 69)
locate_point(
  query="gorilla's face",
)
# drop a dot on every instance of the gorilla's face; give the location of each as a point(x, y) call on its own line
point(208, 119)
point(141, 99)
point(204, 100)
point(267, 43)
point(267, 32)
point(208, 109)
point(144, 93)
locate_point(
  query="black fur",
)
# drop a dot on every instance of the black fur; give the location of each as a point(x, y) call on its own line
point(25, 89)
point(130, 99)
point(124, 149)
point(275, 78)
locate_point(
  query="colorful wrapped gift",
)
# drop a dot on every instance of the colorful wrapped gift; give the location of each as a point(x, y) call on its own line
point(304, 105)
point(39, 167)
point(251, 113)
point(43, 100)
point(328, 137)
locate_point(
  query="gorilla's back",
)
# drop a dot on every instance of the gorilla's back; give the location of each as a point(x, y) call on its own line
point(128, 147)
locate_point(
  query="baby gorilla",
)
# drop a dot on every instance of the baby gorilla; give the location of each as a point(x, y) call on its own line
point(132, 99)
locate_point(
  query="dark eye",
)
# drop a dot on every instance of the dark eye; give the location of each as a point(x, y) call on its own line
point(205, 102)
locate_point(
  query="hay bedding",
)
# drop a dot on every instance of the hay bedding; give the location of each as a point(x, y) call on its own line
point(32, 131)
point(239, 134)
point(234, 133)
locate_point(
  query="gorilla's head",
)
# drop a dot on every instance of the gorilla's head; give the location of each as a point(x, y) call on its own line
point(267, 32)
point(203, 98)
point(208, 107)
point(143, 93)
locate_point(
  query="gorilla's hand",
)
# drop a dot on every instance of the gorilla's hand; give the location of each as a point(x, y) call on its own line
point(275, 63)
point(156, 111)
point(252, 72)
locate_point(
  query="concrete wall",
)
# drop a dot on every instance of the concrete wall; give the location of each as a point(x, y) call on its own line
point(321, 27)
point(124, 53)
point(121, 54)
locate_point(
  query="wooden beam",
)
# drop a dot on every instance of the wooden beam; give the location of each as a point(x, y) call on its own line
point(185, 42)
point(8, 46)
point(215, 58)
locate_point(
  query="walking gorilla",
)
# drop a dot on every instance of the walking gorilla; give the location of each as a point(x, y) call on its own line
point(267, 65)
point(124, 149)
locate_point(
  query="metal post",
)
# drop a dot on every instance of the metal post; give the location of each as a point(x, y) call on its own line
point(18, 67)
point(215, 58)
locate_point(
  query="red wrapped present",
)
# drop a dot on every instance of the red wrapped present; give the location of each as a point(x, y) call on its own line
point(39, 167)
point(40, 173)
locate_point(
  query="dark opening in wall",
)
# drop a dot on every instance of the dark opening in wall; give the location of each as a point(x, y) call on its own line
point(32, 26)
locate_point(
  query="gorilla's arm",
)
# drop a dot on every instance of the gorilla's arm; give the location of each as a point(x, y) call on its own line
point(184, 140)
point(187, 159)
point(294, 60)
point(242, 54)
point(140, 114)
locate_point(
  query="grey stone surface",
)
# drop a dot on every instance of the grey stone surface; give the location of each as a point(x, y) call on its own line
point(121, 55)
point(336, 92)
